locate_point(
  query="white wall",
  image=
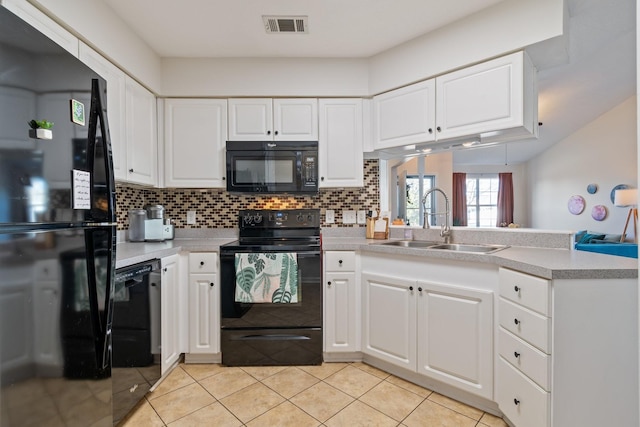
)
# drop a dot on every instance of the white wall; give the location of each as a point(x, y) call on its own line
point(228, 77)
point(505, 27)
point(605, 153)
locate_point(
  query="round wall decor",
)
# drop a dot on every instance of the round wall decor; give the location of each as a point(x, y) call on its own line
point(576, 205)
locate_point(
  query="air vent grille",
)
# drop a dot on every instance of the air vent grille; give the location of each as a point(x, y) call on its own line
point(285, 24)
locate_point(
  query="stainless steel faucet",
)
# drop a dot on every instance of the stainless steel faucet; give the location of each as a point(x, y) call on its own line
point(445, 231)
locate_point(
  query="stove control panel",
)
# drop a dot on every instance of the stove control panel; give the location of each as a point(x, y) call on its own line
point(290, 218)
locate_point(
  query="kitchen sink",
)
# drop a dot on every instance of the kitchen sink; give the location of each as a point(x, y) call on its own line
point(410, 243)
point(484, 249)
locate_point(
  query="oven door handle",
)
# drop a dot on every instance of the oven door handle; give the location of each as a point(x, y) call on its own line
point(271, 337)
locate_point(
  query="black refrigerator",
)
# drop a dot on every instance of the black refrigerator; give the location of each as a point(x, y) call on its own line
point(57, 235)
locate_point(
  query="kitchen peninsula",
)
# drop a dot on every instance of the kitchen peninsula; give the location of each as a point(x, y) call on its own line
point(515, 332)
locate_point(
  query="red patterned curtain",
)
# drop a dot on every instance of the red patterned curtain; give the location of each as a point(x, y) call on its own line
point(505, 199)
point(459, 202)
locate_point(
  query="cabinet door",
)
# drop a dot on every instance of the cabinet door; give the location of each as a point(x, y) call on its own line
point(404, 116)
point(142, 148)
point(295, 119)
point(340, 143)
point(455, 336)
point(116, 101)
point(250, 119)
point(46, 302)
point(482, 98)
point(204, 314)
point(169, 311)
point(195, 136)
point(340, 321)
point(389, 319)
point(16, 309)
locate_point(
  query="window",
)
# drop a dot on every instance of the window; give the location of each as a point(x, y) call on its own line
point(482, 200)
point(414, 196)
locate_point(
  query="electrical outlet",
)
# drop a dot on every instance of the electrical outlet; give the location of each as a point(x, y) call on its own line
point(348, 217)
point(330, 216)
point(191, 217)
point(362, 217)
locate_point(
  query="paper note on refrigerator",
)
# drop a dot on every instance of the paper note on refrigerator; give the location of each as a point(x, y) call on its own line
point(81, 183)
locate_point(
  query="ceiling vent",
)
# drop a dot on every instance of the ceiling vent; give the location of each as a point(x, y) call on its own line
point(285, 24)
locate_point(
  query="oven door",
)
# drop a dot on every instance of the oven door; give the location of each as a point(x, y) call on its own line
point(306, 313)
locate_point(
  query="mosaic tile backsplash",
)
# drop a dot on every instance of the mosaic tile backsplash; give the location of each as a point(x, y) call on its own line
point(219, 209)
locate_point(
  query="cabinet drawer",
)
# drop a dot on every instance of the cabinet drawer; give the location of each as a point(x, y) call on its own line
point(530, 291)
point(529, 360)
point(520, 399)
point(526, 324)
point(203, 262)
point(340, 261)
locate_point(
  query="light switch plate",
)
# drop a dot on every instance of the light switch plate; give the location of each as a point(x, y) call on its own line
point(330, 216)
point(362, 217)
point(191, 217)
point(348, 217)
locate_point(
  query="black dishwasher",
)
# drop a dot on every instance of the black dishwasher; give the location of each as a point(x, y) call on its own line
point(135, 334)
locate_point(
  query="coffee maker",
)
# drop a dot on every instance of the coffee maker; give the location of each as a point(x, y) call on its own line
point(149, 225)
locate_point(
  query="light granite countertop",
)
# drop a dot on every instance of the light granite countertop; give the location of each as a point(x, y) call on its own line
point(544, 262)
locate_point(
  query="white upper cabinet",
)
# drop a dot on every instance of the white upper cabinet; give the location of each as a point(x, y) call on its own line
point(116, 106)
point(495, 100)
point(340, 143)
point(266, 119)
point(492, 96)
point(404, 116)
point(195, 132)
point(141, 131)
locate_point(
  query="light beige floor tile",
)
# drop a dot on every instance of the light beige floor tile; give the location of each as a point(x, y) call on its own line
point(284, 415)
point(322, 401)
point(252, 401)
point(227, 382)
point(413, 388)
point(360, 415)
point(214, 414)
point(201, 371)
point(290, 381)
point(392, 400)
point(467, 410)
point(175, 380)
point(325, 370)
point(353, 381)
point(371, 370)
point(429, 414)
point(262, 372)
point(492, 421)
point(183, 401)
point(143, 415)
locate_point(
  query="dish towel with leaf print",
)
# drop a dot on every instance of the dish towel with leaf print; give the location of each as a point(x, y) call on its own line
point(267, 278)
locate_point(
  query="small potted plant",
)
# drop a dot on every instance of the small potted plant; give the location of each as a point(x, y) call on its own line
point(40, 129)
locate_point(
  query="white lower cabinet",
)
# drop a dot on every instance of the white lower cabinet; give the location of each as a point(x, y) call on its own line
point(441, 329)
point(341, 303)
point(170, 308)
point(455, 336)
point(204, 305)
point(389, 319)
point(568, 351)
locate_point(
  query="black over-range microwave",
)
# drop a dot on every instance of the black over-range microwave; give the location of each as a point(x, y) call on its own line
point(272, 167)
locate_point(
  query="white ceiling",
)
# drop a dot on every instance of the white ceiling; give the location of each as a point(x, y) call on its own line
point(581, 75)
point(337, 28)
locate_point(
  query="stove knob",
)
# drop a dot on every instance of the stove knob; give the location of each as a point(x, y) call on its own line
point(247, 219)
point(310, 218)
point(257, 218)
point(300, 218)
